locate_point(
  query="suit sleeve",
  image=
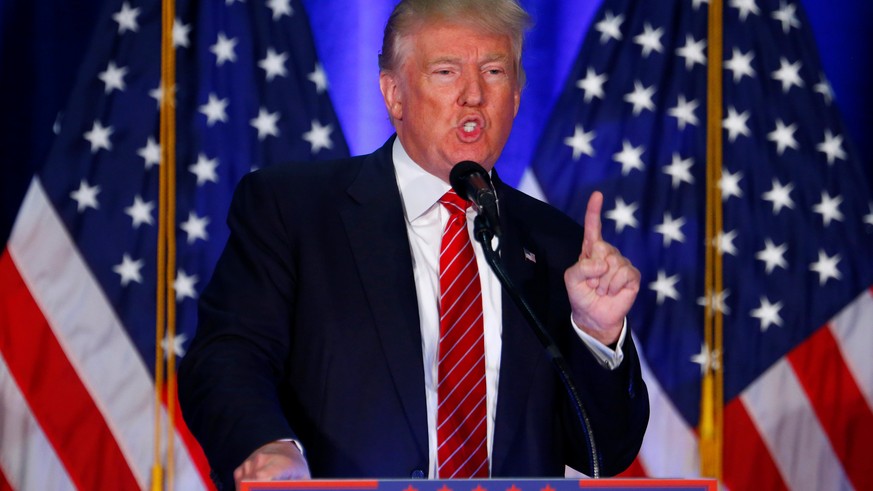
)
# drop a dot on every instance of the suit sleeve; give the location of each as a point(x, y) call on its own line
point(229, 380)
point(616, 401)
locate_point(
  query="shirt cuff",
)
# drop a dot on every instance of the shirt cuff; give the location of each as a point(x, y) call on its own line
point(606, 356)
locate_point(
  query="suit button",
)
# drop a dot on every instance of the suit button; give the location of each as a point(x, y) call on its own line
point(417, 474)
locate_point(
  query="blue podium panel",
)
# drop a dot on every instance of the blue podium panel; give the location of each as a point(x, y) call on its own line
point(484, 485)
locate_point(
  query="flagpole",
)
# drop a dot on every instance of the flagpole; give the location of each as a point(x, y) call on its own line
point(712, 390)
point(166, 307)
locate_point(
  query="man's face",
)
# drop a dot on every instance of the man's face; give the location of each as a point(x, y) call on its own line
point(454, 96)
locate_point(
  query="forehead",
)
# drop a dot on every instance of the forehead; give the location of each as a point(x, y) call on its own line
point(436, 41)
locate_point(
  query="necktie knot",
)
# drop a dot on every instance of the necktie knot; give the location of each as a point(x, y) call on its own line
point(454, 203)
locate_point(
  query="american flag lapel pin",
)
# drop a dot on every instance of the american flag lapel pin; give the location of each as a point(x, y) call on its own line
point(530, 256)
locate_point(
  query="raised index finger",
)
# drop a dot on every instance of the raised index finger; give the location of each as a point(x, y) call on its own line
point(592, 232)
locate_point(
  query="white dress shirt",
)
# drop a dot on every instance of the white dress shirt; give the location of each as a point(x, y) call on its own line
point(420, 192)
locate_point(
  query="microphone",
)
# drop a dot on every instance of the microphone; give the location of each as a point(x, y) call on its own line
point(472, 183)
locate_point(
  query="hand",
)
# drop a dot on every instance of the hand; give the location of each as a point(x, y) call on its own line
point(272, 462)
point(603, 284)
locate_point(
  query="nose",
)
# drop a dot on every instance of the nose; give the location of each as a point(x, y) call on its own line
point(472, 91)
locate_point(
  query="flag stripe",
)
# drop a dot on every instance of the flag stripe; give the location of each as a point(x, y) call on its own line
point(853, 328)
point(666, 425)
point(48, 381)
point(27, 459)
point(747, 460)
point(839, 404)
point(780, 409)
point(43, 251)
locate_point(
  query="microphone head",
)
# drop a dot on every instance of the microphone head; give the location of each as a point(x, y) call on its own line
point(460, 175)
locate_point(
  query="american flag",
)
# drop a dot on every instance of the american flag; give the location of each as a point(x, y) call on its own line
point(77, 278)
point(797, 237)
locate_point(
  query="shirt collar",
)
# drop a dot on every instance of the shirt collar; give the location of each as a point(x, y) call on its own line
point(419, 189)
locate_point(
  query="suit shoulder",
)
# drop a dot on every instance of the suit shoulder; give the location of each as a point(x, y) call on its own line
point(536, 214)
point(305, 175)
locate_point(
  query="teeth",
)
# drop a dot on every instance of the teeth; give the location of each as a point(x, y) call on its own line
point(470, 126)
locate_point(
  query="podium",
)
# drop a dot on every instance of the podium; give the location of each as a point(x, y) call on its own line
point(501, 484)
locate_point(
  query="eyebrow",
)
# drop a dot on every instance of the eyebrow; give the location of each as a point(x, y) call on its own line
point(455, 60)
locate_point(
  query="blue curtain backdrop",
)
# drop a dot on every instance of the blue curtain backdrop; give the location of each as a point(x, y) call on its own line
point(42, 42)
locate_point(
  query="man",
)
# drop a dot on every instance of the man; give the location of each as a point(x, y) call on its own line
point(323, 331)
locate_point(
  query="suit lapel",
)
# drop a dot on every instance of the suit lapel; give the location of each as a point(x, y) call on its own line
point(377, 232)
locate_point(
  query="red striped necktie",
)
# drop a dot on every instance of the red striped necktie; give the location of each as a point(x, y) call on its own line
point(461, 428)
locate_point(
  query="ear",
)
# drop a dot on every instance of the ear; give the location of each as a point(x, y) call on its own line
point(391, 94)
point(517, 99)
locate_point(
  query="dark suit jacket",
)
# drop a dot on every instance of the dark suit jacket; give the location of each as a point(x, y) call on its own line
point(309, 329)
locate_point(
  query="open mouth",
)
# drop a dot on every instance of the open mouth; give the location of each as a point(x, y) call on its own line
point(471, 129)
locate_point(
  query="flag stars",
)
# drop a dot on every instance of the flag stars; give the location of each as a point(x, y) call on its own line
point(783, 137)
point(126, 18)
point(717, 300)
point(768, 313)
point(826, 267)
point(224, 49)
point(195, 227)
point(787, 15)
point(684, 112)
point(829, 208)
point(665, 287)
point(696, 3)
point(204, 169)
point(788, 74)
point(274, 64)
point(319, 137)
point(868, 218)
point(730, 184)
point(280, 8)
point(740, 65)
point(150, 153)
point(113, 77)
point(745, 7)
point(215, 110)
point(623, 215)
point(671, 229)
point(592, 84)
point(184, 285)
point(157, 94)
point(680, 170)
point(580, 142)
point(86, 196)
point(129, 270)
point(181, 33)
point(692, 52)
point(177, 345)
point(630, 157)
point(265, 123)
point(140, 212)
point(650, 40)
point(641, 98)
point(780, 196)
point(319, 78)
point(773, 256)
point(724, 242)
point(98, 137)
point(823, 87)
point(736, 124)
point(609, 27)
point(707, 359)
point(832, 146)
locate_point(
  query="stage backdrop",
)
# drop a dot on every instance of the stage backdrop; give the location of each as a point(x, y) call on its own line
point(615, 101)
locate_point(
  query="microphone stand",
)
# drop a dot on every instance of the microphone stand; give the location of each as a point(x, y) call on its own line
point(484, 234)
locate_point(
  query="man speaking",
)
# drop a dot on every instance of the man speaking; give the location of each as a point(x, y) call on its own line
point(352, 328)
